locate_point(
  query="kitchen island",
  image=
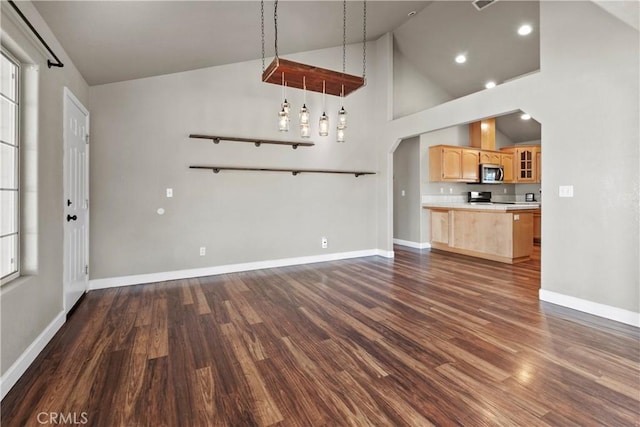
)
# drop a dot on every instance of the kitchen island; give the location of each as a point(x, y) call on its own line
point(498, 232)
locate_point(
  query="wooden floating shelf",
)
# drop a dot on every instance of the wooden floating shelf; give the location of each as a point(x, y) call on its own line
point(257, 141)
point(295, 72)
point(295, 172)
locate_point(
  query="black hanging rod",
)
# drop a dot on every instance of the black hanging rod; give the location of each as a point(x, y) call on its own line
point(50, 63)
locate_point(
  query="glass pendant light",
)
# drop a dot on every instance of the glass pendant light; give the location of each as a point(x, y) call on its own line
point(305, 131)
point(283, 115)
point(324, 120)
point(342, 114)
point(283, 121)
point(324, 125)
point(342, 118)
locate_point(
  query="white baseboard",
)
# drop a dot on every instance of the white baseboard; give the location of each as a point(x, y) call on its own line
point(114, 282)
point(411, 244)
point(19, 367)
point(386, 254)
point(597, 309)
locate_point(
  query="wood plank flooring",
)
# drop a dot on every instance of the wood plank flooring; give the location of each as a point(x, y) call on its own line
point(424, 339)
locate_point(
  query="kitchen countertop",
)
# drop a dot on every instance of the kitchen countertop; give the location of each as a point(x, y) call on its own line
point(484, 206)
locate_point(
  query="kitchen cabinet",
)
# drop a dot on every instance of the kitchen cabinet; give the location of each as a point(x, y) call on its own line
point(537, 226)
point(503, 236)
point(538, 166)
point(506, 161)
point(440, 226)
point(525, 159)
point(470, 163)
point(490, 157)
point(453, 164)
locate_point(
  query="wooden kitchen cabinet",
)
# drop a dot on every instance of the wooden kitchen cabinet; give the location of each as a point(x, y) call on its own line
point(506, 161)
point(470, 165)
point(503, 236)
point(490, 157)
point(537, 226)
point(538, 166)
point(525, 159)
point(440, 226)
point(453, 164)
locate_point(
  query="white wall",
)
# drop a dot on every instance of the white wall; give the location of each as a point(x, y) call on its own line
point(412, 90)
point(32, 305)
point(140, 147)
point(586, 97)
point(406, 178)
point(591, 141)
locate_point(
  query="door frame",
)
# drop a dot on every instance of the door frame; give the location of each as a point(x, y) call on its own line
point(69, 97)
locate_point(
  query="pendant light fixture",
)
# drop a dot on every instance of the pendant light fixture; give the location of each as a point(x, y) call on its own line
point(342, 124)
point(316, 79)
point(272, 73)
point(305, 131)
point(342, 113)
point(283, 115)
point(324, 119)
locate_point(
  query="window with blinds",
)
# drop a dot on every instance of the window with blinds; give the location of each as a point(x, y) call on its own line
point(10, 168)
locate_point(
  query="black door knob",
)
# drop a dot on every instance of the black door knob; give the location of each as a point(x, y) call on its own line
point(71, 218)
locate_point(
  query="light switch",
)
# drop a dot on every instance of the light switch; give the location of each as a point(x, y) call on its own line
point(565, 191)
point(403, 193)
point(169, 192)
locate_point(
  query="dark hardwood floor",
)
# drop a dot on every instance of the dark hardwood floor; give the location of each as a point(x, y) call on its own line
point(427, 338)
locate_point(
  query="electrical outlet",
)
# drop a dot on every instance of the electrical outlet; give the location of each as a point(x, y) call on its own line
point(325, 243)
point(169, 192)
point(403, 193)
point(450, 190)
point(505, 190)
point(441, 190)
point(203, 251)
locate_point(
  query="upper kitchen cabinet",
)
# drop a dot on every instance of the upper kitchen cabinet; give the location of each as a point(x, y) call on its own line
point(490, 157)
point(525, 159)
point(506, 161)
point(453, 164)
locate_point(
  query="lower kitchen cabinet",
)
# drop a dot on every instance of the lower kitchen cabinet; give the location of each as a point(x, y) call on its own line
point(503, 236)
point(537, 226)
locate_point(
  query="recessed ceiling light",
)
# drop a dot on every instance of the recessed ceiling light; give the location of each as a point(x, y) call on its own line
point(461, 59)
point(413, 12)
point(525, 29)
point(525, 116)
point(490, 85)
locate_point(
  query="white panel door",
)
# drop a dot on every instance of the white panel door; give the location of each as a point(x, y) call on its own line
point(76, 199)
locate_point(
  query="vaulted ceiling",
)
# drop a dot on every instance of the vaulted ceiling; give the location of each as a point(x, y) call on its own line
point(112, 41)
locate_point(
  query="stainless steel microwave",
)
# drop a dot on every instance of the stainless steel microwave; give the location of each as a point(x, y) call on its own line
point(491, 174)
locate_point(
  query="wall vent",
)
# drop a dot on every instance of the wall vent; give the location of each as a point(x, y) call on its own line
point(482, 4)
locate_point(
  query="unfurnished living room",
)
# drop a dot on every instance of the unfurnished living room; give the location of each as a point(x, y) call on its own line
point(320, 213)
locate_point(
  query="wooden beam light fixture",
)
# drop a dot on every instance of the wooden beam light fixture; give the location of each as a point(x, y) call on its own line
point(298, 75)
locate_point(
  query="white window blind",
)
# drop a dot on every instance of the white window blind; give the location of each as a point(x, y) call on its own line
point(10, 168)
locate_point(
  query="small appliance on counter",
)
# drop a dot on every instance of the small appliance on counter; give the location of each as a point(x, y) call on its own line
point(529, 197)
point(479, 196)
